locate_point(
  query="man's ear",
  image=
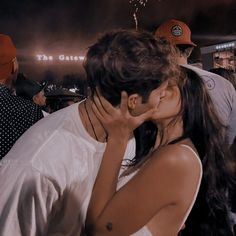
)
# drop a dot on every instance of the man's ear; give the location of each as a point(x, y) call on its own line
point(15, 66)
point(164, 85)
point(189, 51)
point(133, 100)
point(35, 98)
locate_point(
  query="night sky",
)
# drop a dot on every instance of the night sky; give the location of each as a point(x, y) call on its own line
point(68, 26)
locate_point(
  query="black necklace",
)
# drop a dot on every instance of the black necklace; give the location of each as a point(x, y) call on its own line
point(178, 139)
point(173, 141)
point(85, 107)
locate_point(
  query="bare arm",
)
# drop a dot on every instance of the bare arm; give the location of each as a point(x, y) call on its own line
point(106, 181)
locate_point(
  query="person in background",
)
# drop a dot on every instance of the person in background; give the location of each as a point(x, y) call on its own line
point(221, 90)
point(47, 178)
point(16, 114)
point(31, 90)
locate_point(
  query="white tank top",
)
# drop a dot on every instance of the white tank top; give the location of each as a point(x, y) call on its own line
point(144, 231)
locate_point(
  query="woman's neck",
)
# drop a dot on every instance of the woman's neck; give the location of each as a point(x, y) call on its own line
point(168, 131)
point(92, 125)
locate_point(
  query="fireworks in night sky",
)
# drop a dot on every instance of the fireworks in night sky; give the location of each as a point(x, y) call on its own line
point(137, 4)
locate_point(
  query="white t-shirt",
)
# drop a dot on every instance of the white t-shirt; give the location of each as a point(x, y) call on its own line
point(47, 178)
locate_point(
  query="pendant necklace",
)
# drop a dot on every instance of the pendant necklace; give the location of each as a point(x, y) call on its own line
point(85, 107)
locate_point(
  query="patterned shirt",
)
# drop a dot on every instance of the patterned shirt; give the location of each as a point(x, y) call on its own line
point(16, 116)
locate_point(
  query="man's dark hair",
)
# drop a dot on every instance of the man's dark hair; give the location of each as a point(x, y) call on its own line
point(130, 61)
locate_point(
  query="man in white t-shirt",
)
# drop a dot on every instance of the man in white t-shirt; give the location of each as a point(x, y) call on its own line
point(47, 178)
point(221, 90)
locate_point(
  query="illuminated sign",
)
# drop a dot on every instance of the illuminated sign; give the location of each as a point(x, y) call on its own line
point(225, 45)
point(62, 57)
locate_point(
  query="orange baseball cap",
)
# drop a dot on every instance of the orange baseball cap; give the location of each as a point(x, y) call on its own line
point(7, 54)
point(176, 32)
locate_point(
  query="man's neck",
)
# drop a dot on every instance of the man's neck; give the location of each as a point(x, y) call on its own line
point(90, 122)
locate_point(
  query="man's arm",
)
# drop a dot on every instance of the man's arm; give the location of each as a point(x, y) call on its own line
point(26, 205)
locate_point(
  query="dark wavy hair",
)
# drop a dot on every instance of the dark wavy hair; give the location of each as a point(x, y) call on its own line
point(131, 61)
point(210, 214)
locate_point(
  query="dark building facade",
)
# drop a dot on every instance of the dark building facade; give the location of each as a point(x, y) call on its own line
point(219, 55)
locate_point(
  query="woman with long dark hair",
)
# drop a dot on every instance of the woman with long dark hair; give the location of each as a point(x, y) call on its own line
point(185, 138)
point(210, 214)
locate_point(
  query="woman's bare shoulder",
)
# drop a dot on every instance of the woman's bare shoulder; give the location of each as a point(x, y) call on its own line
point(180, 157)
point(171, 168)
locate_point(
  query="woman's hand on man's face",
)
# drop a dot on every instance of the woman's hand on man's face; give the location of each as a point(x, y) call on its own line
point(118, 121)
